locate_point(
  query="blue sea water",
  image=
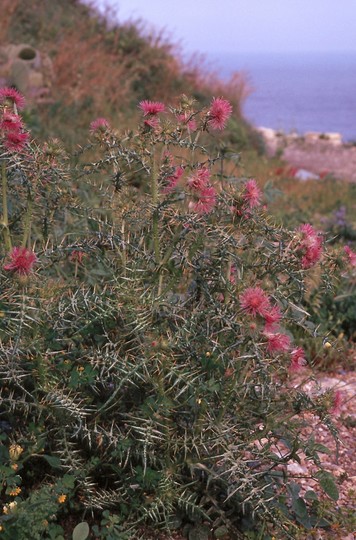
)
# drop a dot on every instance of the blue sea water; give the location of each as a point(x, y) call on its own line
point(298, 92)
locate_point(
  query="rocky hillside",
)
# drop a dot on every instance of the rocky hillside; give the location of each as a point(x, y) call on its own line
point(105, 69)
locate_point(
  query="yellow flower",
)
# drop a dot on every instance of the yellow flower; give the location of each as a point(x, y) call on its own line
point(80, 369)
point(15, 452)
point(14, 466)
point(15, 491)
point(62, 499)
point(9, 508)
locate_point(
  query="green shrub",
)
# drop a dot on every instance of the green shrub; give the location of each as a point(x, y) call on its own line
point(146, 348)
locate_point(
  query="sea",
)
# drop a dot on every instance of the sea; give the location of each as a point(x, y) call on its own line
point(297, 92)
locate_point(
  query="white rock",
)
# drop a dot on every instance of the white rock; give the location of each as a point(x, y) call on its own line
point(311, 137)
point(334, 138)
point(295, 468)
point(303, 174)
point(268, 133)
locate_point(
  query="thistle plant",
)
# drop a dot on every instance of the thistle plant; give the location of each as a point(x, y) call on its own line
point(148, 355)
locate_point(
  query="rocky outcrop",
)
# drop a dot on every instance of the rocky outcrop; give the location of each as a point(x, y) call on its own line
point(312, 154)
point(313, 137)
point(27, 69)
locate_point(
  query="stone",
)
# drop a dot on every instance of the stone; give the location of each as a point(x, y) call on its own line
point(295, 468)
point(311, 137)
point(303, 174)
point(333, 138)
point(270, 138)
point(27, 69)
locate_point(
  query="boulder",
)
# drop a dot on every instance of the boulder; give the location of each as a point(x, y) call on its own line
point(311, 137)
point(271, 139)
point(28, 70)
point(303, 174)
point(334, 138)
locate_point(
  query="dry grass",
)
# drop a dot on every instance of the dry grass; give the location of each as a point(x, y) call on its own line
point(99, 75)
point(8, 8)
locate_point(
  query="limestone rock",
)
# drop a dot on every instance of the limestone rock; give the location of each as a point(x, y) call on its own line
point(28, 70)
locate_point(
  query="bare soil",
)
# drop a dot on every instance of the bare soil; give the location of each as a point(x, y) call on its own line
point(341, 460)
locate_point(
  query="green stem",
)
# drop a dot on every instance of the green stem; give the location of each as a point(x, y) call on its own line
point(174, 242)
point(154, 193)
point(123, 252)
point(5, 222)
point(228, 277)
point(27, 223)
point(221, 168)
point(194, 145)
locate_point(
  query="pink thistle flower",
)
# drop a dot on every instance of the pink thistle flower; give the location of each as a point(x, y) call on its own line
point(298, 360)
point(310, 245)
point(21, 261)
point(199, 180)
point(187, 120)
point(308, 230)
point(277, 342)
point(77, 256)
point(100, 124)
point(219, 113)
point(350, 255)
point(232, 277)
point(311, 257)
point(152, 123)
point(13, 96)
point(11, 122)
point(310, 237)
point(206, 201)
point(151, 107)
point(172, 180)
point(254, 301)
point(337, 402)
point(272, 316)
point(252, 194)
point(15, 141)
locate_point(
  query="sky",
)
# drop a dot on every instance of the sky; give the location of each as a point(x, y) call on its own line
point(248, 26)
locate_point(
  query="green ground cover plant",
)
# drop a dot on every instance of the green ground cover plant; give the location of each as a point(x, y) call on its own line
point(152, 314)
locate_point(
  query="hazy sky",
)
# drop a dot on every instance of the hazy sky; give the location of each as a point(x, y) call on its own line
point(220, 26)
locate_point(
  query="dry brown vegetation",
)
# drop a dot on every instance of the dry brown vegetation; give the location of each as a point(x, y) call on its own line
point(104, 68)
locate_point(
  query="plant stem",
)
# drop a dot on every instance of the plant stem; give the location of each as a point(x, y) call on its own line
point(5, 222)
point(221, 168)
point(27, 223)
point(228, 277)
point(175, 240)
point(123, 252)
point(154, 193)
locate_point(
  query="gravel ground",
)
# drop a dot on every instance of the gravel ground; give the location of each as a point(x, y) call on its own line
point(340, 462)
point(322, 157)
